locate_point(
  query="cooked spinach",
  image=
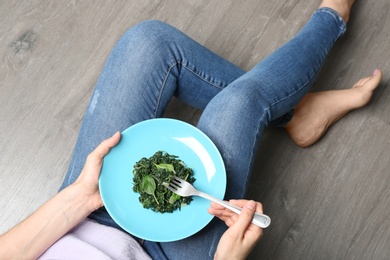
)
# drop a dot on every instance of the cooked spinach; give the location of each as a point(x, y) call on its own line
point(149, 176)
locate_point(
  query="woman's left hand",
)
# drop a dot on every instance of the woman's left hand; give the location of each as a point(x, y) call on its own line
point(88, 181)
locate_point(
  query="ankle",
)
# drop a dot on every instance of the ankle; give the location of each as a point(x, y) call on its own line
point(342, 7)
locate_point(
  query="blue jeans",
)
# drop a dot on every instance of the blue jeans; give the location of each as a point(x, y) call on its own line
point(153, 62)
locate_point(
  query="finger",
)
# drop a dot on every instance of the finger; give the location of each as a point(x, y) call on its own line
point(239, 203)
point(105, 146)
point(216, 205)
point(214, 211)
point(259, 207)
point(95, 159)
point(222, 214)
point(242, 203)
point(229, 220)
point(245, 218)
point(219, 210)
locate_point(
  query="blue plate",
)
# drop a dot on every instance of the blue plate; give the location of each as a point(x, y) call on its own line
point(142, 140)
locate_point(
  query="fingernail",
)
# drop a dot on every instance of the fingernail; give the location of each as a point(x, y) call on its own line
point(375, 72)
point(251, 205)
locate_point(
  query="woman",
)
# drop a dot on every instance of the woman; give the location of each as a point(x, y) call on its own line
point(153, 62)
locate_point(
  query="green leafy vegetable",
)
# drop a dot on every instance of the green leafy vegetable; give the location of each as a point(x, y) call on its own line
point(165, 166)
point(149, 186)
point(149, 176)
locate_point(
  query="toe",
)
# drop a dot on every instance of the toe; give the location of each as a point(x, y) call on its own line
point(370, 83)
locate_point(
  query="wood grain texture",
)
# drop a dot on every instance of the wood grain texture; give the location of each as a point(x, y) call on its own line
point(329, 201)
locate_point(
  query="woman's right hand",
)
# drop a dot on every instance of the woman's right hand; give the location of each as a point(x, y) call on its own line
point(241, 237)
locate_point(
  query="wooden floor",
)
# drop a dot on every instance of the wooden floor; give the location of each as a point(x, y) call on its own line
point(329, 201)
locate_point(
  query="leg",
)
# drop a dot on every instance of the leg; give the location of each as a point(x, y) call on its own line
point(316, 112)
point(149, 64)
point(236, 117)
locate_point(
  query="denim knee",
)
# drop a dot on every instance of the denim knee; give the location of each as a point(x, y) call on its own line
point(150, 35)
point(243, 97)
point(149, 28)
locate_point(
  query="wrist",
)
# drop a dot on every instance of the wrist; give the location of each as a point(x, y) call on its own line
point(47, 224)
point(79, 200)
point(218, 256)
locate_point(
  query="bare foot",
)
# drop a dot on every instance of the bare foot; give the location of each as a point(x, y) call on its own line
point(316, 112)
point(342, 7)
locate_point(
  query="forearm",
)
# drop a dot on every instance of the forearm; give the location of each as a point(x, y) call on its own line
point(30, 238)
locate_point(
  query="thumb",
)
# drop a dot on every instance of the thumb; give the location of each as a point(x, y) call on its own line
point(246, 216)
point(104, 147)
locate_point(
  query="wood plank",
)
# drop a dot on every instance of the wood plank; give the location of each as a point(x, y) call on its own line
point(329, 201)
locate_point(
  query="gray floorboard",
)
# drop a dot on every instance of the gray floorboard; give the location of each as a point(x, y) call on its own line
point(328, 201)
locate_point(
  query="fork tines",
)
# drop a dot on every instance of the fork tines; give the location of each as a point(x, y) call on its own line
point(175, 183)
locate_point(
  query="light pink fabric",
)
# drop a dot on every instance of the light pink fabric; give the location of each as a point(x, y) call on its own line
point(90, 240)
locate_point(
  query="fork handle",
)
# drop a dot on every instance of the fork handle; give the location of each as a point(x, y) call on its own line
point(259, 219)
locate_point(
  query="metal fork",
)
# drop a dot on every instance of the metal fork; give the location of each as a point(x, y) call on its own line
point(185, 189)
